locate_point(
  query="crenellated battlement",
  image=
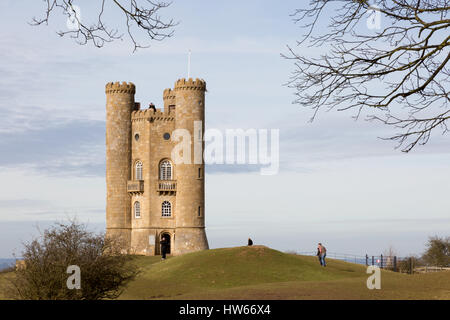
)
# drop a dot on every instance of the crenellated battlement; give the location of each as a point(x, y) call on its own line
point(183, 84)
point(168, 94)
point(117, 87)
point(157, 114)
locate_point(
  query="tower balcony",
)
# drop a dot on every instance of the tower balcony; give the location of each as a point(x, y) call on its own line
point(166, 186)
point(135, 186)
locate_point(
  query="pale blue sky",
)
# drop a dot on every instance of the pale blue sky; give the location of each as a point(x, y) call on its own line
point(338, 183)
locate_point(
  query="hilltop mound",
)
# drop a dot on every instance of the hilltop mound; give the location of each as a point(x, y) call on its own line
point(227, 268)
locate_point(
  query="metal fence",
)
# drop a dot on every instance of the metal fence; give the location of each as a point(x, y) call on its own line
point(339, 256)
point(430, 269)
point(394, 263)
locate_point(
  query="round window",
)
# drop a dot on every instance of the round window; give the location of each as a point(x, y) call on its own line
point(136, 137)
point(166, 136)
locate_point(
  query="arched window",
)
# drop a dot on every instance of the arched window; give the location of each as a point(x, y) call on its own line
point(166, 209)
point(138, 170)
point(165, 170)
point(137, 209)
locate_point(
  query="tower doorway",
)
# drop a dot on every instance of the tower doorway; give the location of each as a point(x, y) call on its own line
point(169, 241)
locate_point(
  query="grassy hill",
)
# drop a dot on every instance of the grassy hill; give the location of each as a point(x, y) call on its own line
point(259, 272)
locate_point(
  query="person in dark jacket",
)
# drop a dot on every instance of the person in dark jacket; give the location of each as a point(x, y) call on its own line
point(250, 242)
point(164, 246)
point(321, 254)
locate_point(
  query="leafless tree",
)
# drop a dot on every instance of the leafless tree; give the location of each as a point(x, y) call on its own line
point(42, 274)
point(389, 256)
point(390, 252)
point(138, 16)
point(397, 74)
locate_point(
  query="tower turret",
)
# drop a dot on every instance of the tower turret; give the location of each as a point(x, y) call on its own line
point(119, 105)
point(190, 212)
point(169, 99)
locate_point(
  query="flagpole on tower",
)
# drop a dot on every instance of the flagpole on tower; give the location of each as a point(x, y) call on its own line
point(189, 64)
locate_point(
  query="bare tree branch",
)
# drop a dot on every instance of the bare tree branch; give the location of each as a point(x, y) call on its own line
point(399, 70)
point(138, 15)
point(42, 273)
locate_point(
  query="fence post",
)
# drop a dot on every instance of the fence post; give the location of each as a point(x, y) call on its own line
point(395, 263)
point(373, 260)
point(381, 261)
point(367, 260)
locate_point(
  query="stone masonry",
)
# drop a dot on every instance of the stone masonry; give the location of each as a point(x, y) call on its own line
point(148, 195)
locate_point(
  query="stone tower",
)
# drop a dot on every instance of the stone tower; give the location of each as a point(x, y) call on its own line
point(190, 115)
point(119, 104)
point(149, 194)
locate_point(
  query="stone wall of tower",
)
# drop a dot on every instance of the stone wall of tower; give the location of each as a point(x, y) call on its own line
point(151, 149)
point(119, 105)
point(134, 135)
point(190, 215)
point(140, 127)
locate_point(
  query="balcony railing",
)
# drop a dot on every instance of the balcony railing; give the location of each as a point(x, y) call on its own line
point(166, 185)
point(135, 186)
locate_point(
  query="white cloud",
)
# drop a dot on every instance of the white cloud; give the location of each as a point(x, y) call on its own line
point(27, 195)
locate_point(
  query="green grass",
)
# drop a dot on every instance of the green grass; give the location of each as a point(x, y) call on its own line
point(259, 272)
point(228, 268)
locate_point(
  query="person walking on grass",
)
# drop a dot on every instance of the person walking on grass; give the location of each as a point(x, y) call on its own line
point(164, 247)
point(322, 253)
